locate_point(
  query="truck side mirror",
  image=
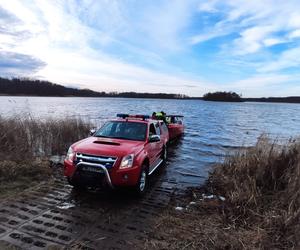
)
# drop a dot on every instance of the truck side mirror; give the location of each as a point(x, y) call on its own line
point(154, 138)
point(92, 131)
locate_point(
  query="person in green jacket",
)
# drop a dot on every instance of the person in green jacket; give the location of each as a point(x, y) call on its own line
point(159, 115)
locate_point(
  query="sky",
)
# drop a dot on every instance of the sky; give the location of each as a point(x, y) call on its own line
point(174, 46)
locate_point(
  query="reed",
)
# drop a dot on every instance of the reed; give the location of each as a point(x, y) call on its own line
point(27, 138)
point(26, 145)
point(261, 185)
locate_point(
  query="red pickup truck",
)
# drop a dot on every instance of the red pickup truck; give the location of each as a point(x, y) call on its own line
point(123, 152)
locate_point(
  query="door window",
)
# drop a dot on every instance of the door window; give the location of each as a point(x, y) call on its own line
point(164, 127)
point(152, 130)
point(157, 128)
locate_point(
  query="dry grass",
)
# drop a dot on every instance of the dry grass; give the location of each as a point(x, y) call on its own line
point(15, 177)
point(26, 138)
point(262, 185)
point(261, 211)
point(26, 144)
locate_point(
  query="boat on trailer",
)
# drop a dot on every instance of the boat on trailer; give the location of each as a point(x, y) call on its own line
point(175, 125)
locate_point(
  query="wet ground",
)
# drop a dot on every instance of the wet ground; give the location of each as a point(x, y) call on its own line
point(55, 216)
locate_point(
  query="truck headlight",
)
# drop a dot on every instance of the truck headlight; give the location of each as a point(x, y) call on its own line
point(127, 161)
point(70, 154)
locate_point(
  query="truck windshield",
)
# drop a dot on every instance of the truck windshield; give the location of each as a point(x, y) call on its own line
point(123, 130)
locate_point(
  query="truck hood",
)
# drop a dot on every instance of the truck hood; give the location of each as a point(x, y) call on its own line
point(108, 146)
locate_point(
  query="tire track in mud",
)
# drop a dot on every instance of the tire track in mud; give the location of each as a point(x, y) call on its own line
point(58, 216)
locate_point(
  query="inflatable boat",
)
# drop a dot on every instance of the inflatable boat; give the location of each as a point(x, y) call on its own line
point(175, 125)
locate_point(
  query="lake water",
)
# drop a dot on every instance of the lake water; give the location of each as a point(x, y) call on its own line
point(213, 129)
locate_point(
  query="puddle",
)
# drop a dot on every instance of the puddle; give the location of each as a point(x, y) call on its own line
point(66, 206)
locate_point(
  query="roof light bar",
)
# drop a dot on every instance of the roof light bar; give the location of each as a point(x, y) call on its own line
point(124, 116)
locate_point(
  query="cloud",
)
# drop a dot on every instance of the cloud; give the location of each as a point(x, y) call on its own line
point(152, 25)
point(153, 45)
point(100, 72)
point(252, 40)
point(15, 64)
point(286, 60)
point(208, 6)
point(74, 39)
point(268, 42)
point(256, 23)
point(10, 33)
point(7, 18)
point(266, 85)
point(163, 23)
point(294, 34)
point(263, 44)
point(206, 36)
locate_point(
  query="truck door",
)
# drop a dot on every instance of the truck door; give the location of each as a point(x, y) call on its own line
point(160, 144)
point(153, 147)
point(164, 132)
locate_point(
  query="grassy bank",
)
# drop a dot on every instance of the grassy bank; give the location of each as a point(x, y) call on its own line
point(27, 143)
point(261, 209)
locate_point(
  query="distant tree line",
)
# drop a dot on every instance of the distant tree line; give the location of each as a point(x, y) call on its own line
point(24, 86)
point(30, 87)
point(289, 99)
point(222, 97)
point(234, 97)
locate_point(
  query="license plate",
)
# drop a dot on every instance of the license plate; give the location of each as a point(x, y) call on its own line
point(92, 169)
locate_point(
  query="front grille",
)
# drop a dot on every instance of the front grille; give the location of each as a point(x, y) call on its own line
point(106, 161)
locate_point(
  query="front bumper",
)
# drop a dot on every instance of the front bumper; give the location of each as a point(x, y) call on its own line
point(103, 168)
point(113, 177)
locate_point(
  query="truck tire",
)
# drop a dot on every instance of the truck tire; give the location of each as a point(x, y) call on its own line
point(142, 184)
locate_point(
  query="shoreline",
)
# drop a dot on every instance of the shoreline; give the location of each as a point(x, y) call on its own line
point(154, 98)
point(244, 100)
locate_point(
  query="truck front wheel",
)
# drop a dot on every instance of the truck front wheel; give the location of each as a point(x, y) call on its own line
point(142, 184)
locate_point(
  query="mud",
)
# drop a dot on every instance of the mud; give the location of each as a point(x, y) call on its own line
point(56, 216)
